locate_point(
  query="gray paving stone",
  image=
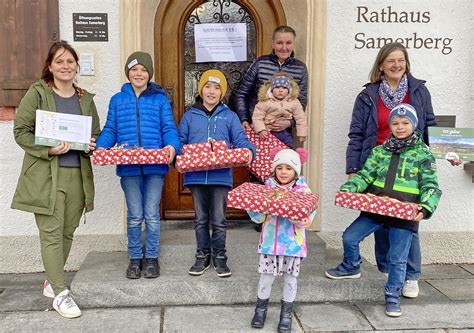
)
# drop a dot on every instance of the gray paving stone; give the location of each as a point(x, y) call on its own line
point(454, 315)
point(469, 268)
point(24, 292)
point(451, 288)
point(213, 319)
point(92, 320)
point(331, 317)
point(101, 283)
point(430, 272)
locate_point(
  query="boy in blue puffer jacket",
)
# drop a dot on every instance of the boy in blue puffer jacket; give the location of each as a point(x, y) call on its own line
point(140, 115)
point(210, 118)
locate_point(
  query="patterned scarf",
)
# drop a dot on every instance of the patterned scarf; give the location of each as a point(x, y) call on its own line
point(392, 98)
point(397, 146)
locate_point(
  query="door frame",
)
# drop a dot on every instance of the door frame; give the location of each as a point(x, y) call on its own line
point(169, 25)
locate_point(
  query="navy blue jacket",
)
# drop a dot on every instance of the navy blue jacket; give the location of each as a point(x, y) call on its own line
point(262, 70)
point(364, 124)
point(146, 121)
point(222, 124)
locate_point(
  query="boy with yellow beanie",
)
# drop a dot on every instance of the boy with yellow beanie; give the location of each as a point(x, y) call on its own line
point(209, 118)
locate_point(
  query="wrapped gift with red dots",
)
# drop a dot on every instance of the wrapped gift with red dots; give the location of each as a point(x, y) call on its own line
point(210, 155)
point(121, 155)
point(262, 164)
point(273, 201)
point(377, 205)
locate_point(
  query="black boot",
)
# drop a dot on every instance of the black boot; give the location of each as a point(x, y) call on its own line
point(152, 268)
point(286, 316)
point(260, 315)
point(134, 269)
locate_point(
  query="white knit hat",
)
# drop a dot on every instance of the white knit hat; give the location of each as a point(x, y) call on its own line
point(289, 157)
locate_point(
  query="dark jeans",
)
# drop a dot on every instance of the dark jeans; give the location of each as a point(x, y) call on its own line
point(285, 136)
point(382, 245)
point(210, 203)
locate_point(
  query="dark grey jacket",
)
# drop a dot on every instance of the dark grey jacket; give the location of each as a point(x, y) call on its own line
point(260, 71)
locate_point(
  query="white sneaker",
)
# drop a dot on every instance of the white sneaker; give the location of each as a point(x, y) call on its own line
point(64, 304)
point(48, 290)
point(410, 289)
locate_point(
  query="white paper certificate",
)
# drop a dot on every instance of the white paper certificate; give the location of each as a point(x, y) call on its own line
point(53, 127)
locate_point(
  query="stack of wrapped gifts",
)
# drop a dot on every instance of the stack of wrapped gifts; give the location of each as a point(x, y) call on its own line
point(210, 155)
point(103, 156)
point(377, 205)
point(260, 198)
point(262, 164)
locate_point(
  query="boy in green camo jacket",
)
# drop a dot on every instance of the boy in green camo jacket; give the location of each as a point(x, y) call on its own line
point(402, 168)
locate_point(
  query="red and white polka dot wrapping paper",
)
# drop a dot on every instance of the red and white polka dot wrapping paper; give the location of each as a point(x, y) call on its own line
point(262, 164)
point(378, 205)
point(210, 155)
point(113, 156)
point(259, 198)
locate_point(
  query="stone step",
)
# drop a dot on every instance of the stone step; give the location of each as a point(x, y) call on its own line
point(178, 245)
point(101, 282)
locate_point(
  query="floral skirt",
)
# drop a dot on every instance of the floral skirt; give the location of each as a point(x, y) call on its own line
point(277, 265)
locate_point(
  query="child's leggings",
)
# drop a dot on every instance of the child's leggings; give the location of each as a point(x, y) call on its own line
point(289, 286)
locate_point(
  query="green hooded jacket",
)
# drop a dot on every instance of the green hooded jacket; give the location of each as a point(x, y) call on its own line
point(408, 176)
point(37, 184)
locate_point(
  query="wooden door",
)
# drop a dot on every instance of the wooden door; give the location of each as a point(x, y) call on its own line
point(29, 27)
point(177, 72)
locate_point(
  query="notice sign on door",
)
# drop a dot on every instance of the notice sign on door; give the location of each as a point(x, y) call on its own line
point(220, 42)
point(90, 27)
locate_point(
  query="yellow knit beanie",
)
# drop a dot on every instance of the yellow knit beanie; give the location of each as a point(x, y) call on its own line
point(215, 76)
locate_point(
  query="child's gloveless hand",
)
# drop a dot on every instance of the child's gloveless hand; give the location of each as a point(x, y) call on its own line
point(263, 134)
point(172, 152)
point(250, 156)
point(420, 215)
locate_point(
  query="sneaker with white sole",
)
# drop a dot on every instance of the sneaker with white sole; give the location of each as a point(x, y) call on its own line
point(410, 289)
point(48, 290)
point(64, 304)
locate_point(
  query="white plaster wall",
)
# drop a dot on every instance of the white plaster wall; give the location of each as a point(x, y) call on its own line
point(18, 233)
point(449, 79)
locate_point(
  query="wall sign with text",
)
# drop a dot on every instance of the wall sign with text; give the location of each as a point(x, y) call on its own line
point(90, 27)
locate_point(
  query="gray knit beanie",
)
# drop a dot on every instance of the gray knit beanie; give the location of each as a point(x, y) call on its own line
point(141, 58)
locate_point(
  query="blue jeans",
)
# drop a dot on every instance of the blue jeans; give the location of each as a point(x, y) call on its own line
point(143, 196)
point(400, 241)
point(382, 244)
point(210, 203)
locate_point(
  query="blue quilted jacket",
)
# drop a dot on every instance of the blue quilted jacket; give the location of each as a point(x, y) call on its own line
point(197, 125)
point(364, 124)
point(146, 121)
point(262, 70)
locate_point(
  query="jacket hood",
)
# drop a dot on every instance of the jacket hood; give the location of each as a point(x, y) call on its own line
point(265, 93)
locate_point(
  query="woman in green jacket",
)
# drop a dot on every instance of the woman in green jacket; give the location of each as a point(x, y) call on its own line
point(55, 183)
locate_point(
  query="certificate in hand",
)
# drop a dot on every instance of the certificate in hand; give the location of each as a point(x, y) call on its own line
point(53, 127)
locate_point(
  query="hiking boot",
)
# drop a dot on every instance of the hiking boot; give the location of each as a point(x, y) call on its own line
point(340, 272)
point(64, 304)
point(134, 269)
point(48, 290)
point(392, 306)
point(220, 265)
point(260, 314)
point(410, 289)
point(202, 263)
point(152, 268)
